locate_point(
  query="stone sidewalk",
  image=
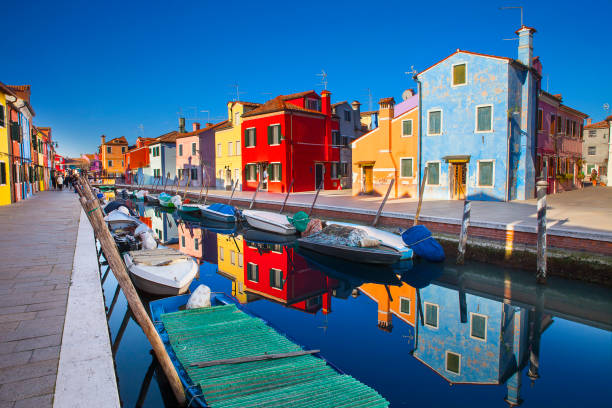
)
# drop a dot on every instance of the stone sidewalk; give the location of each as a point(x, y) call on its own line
point(37, 244)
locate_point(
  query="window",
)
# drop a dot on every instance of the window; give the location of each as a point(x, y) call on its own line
point(193, 173)
point(592, 133)
point(553, 120)
point(453, 362)
point(484, 118)
point(180, 149)
point(122, 163)
point(276, 278)
point(275, 172)
point(183, 241)
point(459, 74)
point(221, 254)
point(236, 174)
point(240, 259)
point(250, 138)
point(193, 148)
point(344, 169)
point(219, 150)
point(435, 123)
point(230, 148)
point(407, 128)
point(2, 120)
point(123, 149)
point(2, 173)
point(195, 244)
point(485, 173)
point(433, 173)
point(336, 139)
point(251, 172)
point(568, 127)
point(406, 167)
point(592, 150)
point(405, 305)
point(559, 124)
point(110, 163)
point(590, 168)
point(108, 149)
point(540, 120)
point(431, 315)
point(347, 115)
point(274, 135)
point(236, 118)
point(253, 272)
point(478, 326)
point(237, 148)
point(233, 257)
point(313, 104)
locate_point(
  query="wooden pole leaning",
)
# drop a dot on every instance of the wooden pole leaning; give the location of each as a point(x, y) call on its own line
point(187, 186)
point(255, 194)
point(286, 197)
point(421, 191)
point(541, 187)
point(316, 196)
point(465, 223)
point(92, 208)
point(383, 203)
point(233, 191)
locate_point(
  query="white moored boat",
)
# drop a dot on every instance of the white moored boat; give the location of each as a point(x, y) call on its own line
point(269, 221)
point(161, 271)
point(388, 239)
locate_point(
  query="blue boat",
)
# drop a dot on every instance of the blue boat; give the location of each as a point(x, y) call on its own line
point(200, 341)
point(423, 244)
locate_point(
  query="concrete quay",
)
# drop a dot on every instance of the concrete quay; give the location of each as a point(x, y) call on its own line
point(39, 279)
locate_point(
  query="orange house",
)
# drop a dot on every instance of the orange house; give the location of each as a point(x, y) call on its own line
point(111, 155)
point(401, 303)
point(389, 152)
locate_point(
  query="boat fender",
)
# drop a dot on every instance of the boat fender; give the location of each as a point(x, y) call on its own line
point(123, 209)
point(199, 298)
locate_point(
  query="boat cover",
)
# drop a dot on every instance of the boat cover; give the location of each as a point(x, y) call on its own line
point(343, 235)
point(423, 244)
point(222, 208)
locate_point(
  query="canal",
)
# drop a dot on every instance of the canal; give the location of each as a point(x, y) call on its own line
point(437, 335)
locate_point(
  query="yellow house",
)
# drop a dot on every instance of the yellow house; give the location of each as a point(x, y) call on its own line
point(5, 169)
point(230, 264)
point(389, 152)
point(228, 145)
point(111, 154)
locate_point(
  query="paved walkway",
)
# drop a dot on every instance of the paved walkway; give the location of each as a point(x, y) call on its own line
point(580, 212)
point(37, 244)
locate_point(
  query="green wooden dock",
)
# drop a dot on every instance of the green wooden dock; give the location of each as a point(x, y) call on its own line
point(225, 332)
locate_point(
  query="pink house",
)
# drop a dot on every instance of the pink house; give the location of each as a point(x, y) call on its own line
point(559, 143)
point(195, 155)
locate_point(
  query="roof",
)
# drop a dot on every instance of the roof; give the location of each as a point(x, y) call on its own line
point(254, 104)
point(280, 104)
point(22, 91)
point(6, 90)
point(523, 27)
point(573, 111)
point(609, 118)
point(338, 104)
point(169, 137)
point(206, 129)
point(364, 113)
point(599, 125)
point(117, 141)
point(387, 100)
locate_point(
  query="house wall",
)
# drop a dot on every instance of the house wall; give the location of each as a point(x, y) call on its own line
point(116, 156)
point(349, 129)
point(5, 158)
point(235, 270)
point(487, 83)
point(165, 162)
point(389, 306)
point(598, 138)
point(231, 160)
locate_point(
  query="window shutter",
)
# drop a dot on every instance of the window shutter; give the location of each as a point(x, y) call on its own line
point(15, 131)
point(280, 171)
point(270, 134)
point(2, 116)
point(246, 138)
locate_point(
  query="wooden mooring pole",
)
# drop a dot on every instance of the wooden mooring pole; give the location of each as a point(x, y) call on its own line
point(541, 187)
point(255, 194)
point(421, 191)
point(465, 223)
point(316, 195)
point(286, 197)
point(383, 203)
point(233, 191)
point(92, 208)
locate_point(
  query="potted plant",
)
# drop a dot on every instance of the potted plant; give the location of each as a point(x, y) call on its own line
point(594, 177)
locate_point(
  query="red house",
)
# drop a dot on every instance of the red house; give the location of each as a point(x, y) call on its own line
point(137, 157)
point(279, 274)
point(291, 137)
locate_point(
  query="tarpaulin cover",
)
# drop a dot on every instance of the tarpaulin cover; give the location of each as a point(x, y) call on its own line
point(423, 244)
point(223, 208)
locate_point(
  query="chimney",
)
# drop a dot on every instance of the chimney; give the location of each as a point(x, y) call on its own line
point(386, 108)
point(326, 102)
point(525, 48)
point(181, 125)
point(589, 120)
point(103, 139)
point(357, 113)
point(385, 318)
point(196, 126)
point(209, 124)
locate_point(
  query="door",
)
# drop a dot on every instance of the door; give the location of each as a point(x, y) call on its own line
point(368, 179)
point(459, 176)
point(319, 172)
point(228, 179)
point(263, 176)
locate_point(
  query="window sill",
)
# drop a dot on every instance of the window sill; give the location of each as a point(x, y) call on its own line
point(407, 135)
point(488, 187)
point(484, 131)
point(434, 134)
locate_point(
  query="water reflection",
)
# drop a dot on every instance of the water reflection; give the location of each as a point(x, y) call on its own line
point(416, 327)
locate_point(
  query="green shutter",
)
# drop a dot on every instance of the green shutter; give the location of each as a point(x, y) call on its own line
point(270, 134)
point(15, 131)
point(246, 138)
point(280, 172)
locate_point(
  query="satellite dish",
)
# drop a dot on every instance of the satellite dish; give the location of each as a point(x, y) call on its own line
point(407, 94)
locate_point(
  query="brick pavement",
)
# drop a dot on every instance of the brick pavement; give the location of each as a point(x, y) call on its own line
point(37, 243)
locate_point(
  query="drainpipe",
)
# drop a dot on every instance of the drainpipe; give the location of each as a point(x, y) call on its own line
point(416, 78)
point(291, 141)
point(507, 192)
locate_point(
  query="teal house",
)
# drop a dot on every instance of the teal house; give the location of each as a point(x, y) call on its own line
point(479, 117)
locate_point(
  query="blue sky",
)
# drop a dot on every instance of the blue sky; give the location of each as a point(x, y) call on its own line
point(128, 68)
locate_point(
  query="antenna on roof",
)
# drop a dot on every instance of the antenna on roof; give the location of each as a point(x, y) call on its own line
point(208, 112)
point(606, 107)
point(513, 7)
point(237, 97)
point(369, 99)
point(141, 129)
point(323, 76)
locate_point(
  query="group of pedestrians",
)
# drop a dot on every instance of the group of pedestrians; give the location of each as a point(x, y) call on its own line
point(60, 181)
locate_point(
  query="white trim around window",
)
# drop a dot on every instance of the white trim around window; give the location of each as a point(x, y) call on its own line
point(400, 169)
point(411, 127)
point(441, 121)
point(270, 172)
point(478, 173)
point(439, 172)
point(476, 118)
point(485, 327)
point(280, 136)
point(453, 74)
point(249, 136)
point(437, 315)
point(446, 362)
point(409, 306)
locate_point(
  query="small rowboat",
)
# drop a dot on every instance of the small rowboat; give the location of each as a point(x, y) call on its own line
point(269, 221)
point(141, 194)
point(168, 201)
point(382, 255)
point(219, 212)
point(161, 271)
point(388, 239)
point(152, 198)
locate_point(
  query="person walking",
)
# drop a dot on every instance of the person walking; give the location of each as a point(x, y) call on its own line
point(60, 181)
point(53, 182)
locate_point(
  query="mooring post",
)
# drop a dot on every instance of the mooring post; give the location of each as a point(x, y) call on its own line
point(383, 203)
point(286, 197)
point(315, 198)
point(465, 223)
point(233, 191)
point(541, 187)
point(535, 330)
point(255, 194)
point(421, 191)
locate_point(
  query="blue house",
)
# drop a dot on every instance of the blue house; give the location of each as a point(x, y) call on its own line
point(479, 118)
